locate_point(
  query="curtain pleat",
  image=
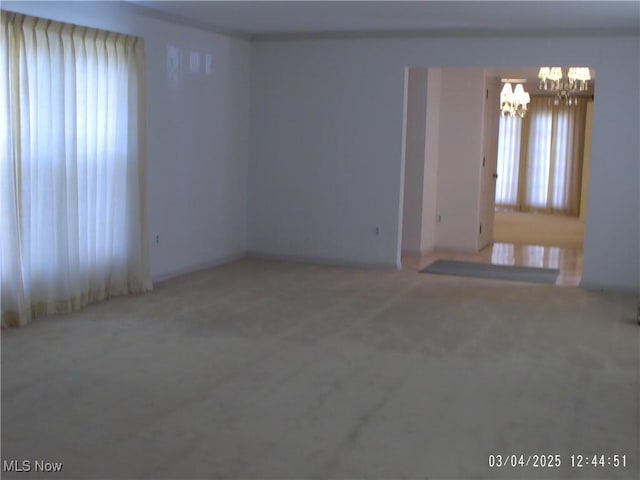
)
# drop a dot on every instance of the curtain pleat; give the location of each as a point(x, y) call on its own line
point(73, 228)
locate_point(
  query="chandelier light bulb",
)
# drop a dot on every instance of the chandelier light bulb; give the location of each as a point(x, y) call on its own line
point(555, 74)
point(579, 73)
point(514, 101)
point(506, 93)
point(543, 73)
point(575, 80)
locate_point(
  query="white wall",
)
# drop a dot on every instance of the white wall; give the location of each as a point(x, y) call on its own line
point(612, 229)
point(326, 146)
point(326, 143)
point(460, 159)
point(414, 163)
point(197, 135)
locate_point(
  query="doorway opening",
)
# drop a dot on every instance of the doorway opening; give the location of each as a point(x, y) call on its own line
point(455, 172)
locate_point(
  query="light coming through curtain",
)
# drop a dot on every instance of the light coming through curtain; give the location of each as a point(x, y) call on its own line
point(508, 161)
point(72, 193)
point(540, 158)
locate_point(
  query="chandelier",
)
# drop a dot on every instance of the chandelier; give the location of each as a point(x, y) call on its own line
point(564, 82)
point(513, 101)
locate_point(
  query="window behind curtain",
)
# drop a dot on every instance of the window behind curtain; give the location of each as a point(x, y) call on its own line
point(73, 227)
point(540, 158)
point(508, 161)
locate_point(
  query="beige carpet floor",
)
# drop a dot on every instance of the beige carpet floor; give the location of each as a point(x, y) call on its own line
point(269, 370)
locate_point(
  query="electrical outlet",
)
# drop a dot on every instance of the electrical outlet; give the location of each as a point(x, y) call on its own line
point(438, 218)
point(377, 231)
point(158, 239)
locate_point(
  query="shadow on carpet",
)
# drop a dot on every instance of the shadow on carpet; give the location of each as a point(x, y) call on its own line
point(494, 272)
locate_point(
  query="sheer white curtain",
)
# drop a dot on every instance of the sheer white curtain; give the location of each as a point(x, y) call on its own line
point(72, 173)
point(540, 158)
point(508, 161)
point(554, 158)
point(539, 151)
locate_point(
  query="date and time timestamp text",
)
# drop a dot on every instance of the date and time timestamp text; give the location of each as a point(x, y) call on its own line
point(577, 460)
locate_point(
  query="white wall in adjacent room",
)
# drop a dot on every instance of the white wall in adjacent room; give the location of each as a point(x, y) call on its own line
point(586, 160)
point(432, 152)
point(414, 163)
point(197, 132)
point(459, 159)
point(326, 143)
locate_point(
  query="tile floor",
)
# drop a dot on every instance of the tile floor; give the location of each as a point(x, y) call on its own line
point(567, 260)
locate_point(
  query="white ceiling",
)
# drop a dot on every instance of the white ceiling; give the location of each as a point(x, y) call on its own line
point(267, 18)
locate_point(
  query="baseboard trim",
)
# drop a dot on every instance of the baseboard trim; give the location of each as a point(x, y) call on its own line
point(196, 267)
point(454, 250)
point(411, 253)
point(312, 260)
point(609, 288)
